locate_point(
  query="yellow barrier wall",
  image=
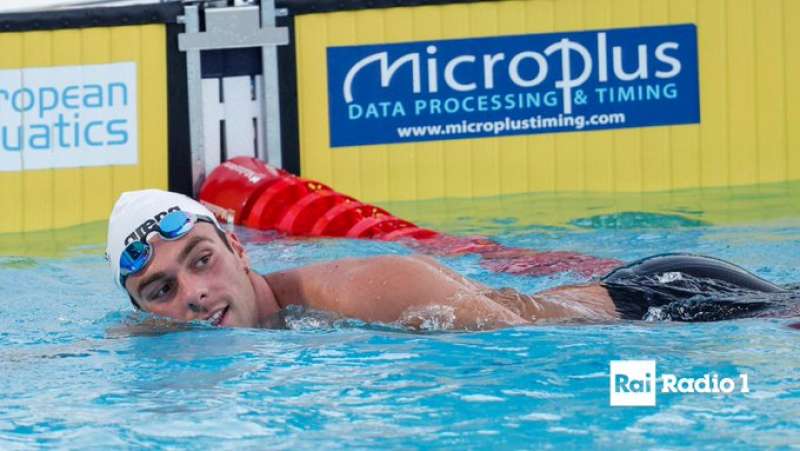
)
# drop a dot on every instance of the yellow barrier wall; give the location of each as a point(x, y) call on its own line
point(749, 100)
point(53, 198)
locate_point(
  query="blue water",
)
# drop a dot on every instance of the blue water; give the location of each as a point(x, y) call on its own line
point(74, 373)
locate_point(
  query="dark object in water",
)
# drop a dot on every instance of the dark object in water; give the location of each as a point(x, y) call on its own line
point(686, 287)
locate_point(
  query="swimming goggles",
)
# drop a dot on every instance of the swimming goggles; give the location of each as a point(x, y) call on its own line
point(173, 226)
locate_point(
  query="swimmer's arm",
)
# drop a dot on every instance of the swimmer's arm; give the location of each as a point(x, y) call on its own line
point(419, 293)
point(588, 302)
point(455, 276)
point(394, 289)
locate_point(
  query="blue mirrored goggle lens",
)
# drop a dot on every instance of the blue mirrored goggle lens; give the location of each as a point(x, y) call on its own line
point(175, 224)
point(134, 258)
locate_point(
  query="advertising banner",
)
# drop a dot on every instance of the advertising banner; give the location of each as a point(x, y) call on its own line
point(513, 85)
point(69, 116)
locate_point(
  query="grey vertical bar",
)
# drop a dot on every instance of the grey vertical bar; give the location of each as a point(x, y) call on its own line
point(194, 81)
point(270, 104)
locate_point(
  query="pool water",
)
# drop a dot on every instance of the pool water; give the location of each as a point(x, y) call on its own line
point(75, 373)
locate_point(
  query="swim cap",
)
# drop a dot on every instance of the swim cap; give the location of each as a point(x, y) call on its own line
point(137, 213)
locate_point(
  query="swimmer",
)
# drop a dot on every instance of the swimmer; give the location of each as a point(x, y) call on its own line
point(173, 259)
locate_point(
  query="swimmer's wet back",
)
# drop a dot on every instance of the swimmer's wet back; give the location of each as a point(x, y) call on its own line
point(685, 287)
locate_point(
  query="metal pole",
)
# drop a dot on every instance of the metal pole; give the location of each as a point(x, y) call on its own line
point(270, 104)
point(194, 78)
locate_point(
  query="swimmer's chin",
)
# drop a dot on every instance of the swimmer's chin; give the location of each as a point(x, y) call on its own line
point(140, 324)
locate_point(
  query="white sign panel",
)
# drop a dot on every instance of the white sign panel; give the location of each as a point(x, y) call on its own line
point(66, 117)
point(633, 382)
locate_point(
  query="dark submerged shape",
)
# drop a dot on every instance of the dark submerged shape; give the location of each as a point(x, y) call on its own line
point(687, 287)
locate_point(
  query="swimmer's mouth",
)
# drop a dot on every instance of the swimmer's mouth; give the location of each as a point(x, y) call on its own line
point(216, 318)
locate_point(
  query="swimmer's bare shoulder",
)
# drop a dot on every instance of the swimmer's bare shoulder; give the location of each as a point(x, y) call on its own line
point(391, 289)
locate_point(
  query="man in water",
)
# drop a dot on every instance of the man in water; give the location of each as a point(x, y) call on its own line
point(171, 256)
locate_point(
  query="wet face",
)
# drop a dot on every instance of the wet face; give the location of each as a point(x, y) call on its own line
point(197, 278)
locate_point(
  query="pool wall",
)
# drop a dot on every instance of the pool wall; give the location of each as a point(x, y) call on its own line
point(746, 131)
point(714, 106)
point(84, 114)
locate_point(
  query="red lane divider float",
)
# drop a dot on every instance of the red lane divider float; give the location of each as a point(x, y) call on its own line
point(341, 218)
point(246, 191)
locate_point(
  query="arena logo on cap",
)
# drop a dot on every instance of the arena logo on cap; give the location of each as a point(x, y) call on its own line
point(68, 116)
point(148, 226)
point(536, 83)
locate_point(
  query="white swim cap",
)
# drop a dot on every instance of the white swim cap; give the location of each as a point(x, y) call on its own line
point(136, 213)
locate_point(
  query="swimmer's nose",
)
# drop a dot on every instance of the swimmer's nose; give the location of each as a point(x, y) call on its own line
point(197, 298)
point(196, 307)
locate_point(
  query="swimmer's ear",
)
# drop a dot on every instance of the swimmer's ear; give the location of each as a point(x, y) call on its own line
point(238, 249)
